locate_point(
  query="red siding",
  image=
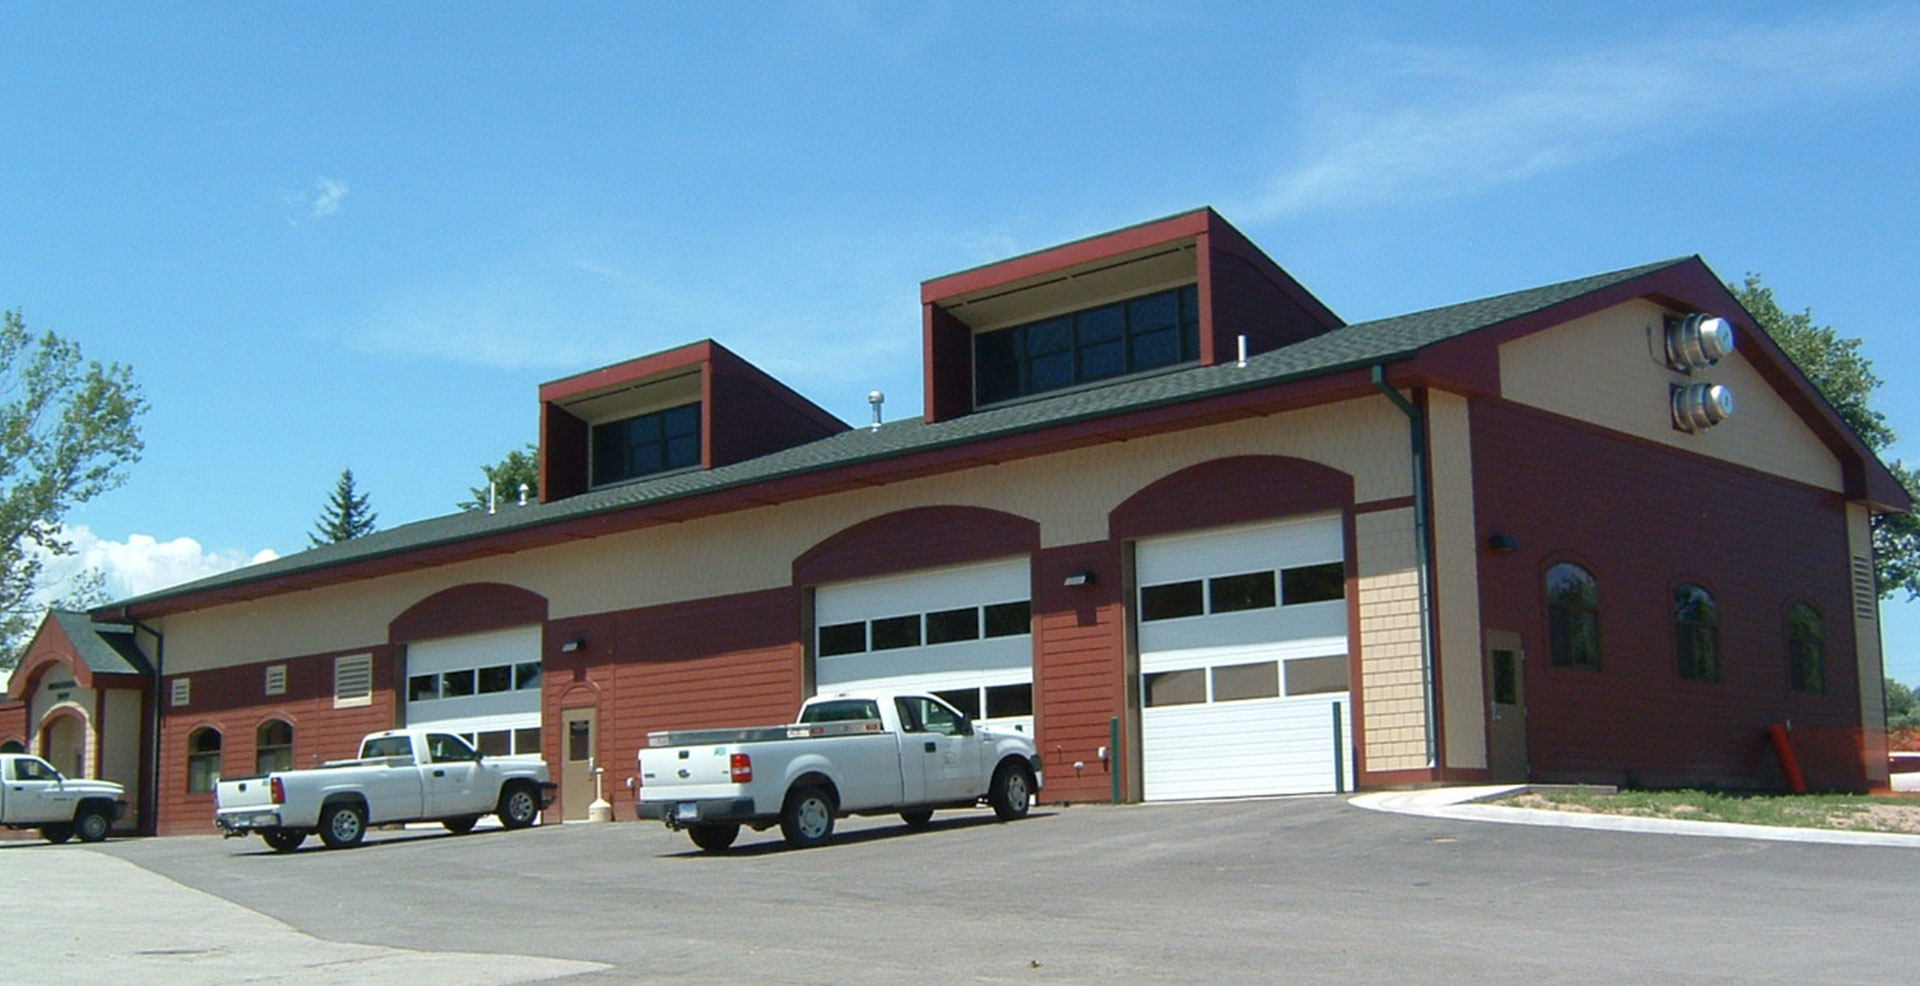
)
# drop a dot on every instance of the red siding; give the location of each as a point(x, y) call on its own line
point(473, 608)
point(1644, 519)
point(948, 374)
point(1080, 681)
point(750, 414)
point(923, 537)
point(234, 701)
point(563, 454)
point(728, 661)
point(1236, 490)
point(1246, 293)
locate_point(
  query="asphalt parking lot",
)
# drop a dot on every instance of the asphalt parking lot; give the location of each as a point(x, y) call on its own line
point(1305, 890)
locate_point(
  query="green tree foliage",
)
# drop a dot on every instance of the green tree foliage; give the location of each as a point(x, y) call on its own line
point(1844, 375)
point(345, 516)
point(68, 431)
point(522, 465)
point(1903, 706)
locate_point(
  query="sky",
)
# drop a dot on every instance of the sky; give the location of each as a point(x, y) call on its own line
point(361, 235)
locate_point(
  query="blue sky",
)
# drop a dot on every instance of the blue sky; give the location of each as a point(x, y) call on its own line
point(361, 235)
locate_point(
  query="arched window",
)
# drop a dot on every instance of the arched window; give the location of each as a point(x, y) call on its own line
point(203, 760)
point(13, 746)
point(1806, 649)
point(1696, 630)
point(1573, 617)
point(273, 746)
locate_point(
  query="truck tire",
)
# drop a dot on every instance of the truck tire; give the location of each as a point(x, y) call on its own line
point(519, 806)
point(917, 818)
point(56, 834)
point(92, 824)
point(283, 840)
point(714, 837)
point(461, 825)
point(1012, 792)
point(343, 824)
point(807, 817)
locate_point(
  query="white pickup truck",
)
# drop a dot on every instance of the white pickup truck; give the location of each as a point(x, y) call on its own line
point(401, 775)
point(33, 795)
point(849, 754)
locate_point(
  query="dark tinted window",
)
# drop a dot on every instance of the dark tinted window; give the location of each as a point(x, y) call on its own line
point(455, 684)
point(1806, 649)
point(1009, 619)
point(1696, 629)
point(1232, 593)
point(895, 632)
point(1313, 583)
point(1149, 332)
point(498, 678)
point(967, 700)
point(1573, 617)
point(422, 687)
point(646, 444)
point(953, 624)
point(1166, 602)
point(526, 675)
point(1004, 701)
point(843, 638)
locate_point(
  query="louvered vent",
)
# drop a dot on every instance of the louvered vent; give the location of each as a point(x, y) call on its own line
point(352, 680)
point(1866, 601)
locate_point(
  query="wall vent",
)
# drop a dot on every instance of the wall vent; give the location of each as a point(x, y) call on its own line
point(1699, 406)
point(1695, 342)
point(182, 691)
point(1866, 597)
point(352, 681)
point(276, 679)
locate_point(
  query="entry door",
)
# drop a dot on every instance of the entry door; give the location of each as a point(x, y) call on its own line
point(1506, 708)
point(64, 745)
point(578, 739)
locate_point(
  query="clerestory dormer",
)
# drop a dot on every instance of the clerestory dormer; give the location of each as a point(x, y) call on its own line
point(1166, 294)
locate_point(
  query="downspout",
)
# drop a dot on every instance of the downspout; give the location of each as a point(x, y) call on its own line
point(151, 809)
point(1423, 556)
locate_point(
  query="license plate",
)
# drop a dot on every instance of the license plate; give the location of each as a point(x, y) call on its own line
point(266, 820)
point(686, 811)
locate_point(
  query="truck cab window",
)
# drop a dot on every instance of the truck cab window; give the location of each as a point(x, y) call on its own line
point(852, 710)
point(446, 748)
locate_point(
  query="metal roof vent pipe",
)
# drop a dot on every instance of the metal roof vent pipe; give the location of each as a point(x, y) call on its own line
point(1695, 342)
point(876, 398)
point(1243, 353)
point(1699, 406)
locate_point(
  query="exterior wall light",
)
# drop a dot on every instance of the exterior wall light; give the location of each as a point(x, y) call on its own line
point(1081, 577)
point(574, 645)
point(1503, 542)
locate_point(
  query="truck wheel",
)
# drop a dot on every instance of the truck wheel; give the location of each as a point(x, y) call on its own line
point(91, 824)
point(715, 837)
point(461, 825)
point(343, 825)
point(519, 806)
point(1012, 792)
point(917, 818)
point(807, 818)
point(56, 834)
point(283, 840)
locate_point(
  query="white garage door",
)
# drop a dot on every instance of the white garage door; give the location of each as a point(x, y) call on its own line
point(1243, 661)
point(962, 633)
point(485, 687)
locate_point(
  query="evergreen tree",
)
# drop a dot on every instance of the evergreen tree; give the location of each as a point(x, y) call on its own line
point(346, 515)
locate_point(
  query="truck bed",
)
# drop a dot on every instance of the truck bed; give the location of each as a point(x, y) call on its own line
point(761, 734)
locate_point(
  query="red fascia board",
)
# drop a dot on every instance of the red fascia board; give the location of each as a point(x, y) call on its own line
point(1256, 401)
point(691, 354)
point(1067, 255)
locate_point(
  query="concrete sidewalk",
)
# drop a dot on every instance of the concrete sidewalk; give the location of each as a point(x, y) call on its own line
point(79, 918)
point(1463, 804)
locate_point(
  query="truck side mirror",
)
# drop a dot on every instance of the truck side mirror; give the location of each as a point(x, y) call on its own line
point(966, 726)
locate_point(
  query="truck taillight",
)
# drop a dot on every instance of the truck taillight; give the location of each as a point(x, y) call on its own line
point(279, 791)
point(740, 768)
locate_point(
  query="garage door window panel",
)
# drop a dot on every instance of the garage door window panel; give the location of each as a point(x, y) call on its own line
point(1240, 682)
point(1313, 583)
point(457, 684)
point(1172, 602)
point(843, 638)
point(423, 688)
point(966, 700)
point(498, 678)
point(1235, 593)
point(1187, 687)
point(1317, 675)
point(896, 632)
point(1009, 619)
point(951, 625)
point(526, 675)
point(1009, 701)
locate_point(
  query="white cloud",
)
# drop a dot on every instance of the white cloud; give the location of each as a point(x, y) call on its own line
point(332, 193)
point(1408, 123)
point(140, 564)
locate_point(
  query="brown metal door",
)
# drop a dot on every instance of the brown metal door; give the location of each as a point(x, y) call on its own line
point(578, 740)
point(1506, 708)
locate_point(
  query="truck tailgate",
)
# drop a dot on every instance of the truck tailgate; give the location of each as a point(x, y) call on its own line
point(688, 772)
point(244, 792)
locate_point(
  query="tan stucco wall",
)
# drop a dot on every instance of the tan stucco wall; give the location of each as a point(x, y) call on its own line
point(1609, 369)
point(1391, 691)
point(1866, 636)
point(120, 749)
point(1456, 566)
point(1069, 494)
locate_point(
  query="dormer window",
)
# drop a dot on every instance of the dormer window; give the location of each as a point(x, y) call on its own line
point(646, 444)
point(1145, 333)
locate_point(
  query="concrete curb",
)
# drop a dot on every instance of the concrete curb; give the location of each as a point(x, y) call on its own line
point(1460, 803)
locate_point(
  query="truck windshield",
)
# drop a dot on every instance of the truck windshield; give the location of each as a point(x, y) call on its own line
point(844, 710)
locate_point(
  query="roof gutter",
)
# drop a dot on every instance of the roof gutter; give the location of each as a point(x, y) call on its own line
point(150, 797)
point(1423, 553)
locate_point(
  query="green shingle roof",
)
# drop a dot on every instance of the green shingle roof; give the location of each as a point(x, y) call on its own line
point(1344, 348)
point(104, 647)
